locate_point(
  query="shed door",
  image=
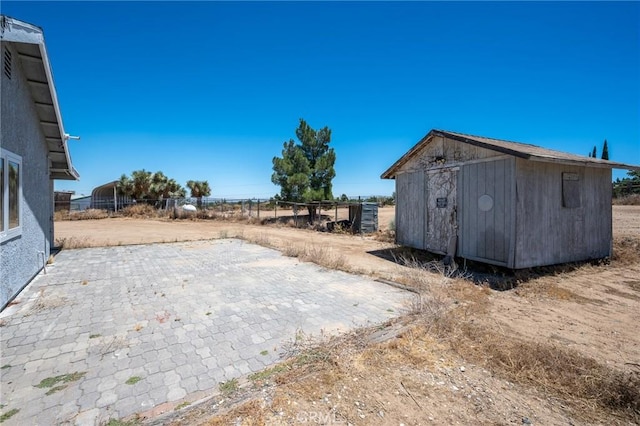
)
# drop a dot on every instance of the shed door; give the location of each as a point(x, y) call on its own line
point(441, 223)
point(486, 211)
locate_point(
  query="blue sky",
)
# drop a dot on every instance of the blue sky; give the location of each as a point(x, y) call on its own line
point(211, 90)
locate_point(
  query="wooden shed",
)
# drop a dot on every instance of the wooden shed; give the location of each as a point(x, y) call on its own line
point(503, 203)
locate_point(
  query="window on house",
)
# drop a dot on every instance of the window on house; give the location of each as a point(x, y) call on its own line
point(10, 195)
point(570, 190)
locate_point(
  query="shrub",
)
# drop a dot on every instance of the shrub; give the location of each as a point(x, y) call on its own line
point(628, 200)
point(141, 210)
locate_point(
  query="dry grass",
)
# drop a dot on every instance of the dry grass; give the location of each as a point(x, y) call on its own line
point(555, 370)
point(626, 250)
point(143, 211)
point(89, 214)
point(551, 368)
point(320, 255)
point(45, 302)
point(73, 242)
point(628, 200)
point(250, 413)
point(386, 236)
point(447, 312)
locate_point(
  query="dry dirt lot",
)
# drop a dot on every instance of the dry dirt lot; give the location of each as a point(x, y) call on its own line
point(560, 347)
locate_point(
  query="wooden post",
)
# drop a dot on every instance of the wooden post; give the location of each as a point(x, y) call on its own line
point(258, 208)
point(336, 212)
point(275, 210)
point(250, 207)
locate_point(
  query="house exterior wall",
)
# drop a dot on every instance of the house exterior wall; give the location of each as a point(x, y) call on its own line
point(20, 133)
point(547, 231)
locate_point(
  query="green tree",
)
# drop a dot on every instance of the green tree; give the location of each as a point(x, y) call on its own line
point(627, 185)
point(163, 187)
point(306, 170)
point(594, 153)
point(137, 186)
point(149, 187)
point(605, 151)
point(199, 189)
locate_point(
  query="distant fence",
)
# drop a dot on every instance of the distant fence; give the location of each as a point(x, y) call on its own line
point(355, 215)
point(254, 207)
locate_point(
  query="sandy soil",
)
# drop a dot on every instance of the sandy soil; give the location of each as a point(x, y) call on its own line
point(592, 309)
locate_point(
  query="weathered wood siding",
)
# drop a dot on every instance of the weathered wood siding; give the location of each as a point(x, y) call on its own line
point(553, 227)
point(441, 152)
point(487, 211)
point(410, 209)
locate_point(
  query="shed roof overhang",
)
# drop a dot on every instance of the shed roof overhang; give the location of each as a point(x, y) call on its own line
point(521, 150)
point(28, 42)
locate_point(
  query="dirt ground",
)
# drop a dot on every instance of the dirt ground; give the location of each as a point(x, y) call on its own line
point(591, 310)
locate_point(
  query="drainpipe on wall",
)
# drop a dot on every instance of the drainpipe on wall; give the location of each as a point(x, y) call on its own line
point(44, 263)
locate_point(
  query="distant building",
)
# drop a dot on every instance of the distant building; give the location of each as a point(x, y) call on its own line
point(34, 152)
point(81, 203)
point(62, 200)
point(504, 203)
point(106, 197)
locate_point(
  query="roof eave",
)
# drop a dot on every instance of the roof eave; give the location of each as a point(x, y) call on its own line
point(16, 31)
point(72, 173)
point(600, 164)
point(390, 173)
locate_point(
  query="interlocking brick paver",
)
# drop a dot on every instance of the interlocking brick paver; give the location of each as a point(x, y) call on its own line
point(183, 318)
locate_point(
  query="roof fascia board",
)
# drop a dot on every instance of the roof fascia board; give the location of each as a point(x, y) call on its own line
point(20, 32)
point(603, 165)
point(13, 30)
point(56, 107)
point(391, 171)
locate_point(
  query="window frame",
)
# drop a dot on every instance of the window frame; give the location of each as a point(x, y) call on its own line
point(9, 233)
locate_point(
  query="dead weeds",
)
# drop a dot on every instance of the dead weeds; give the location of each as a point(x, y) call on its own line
point(73, 242)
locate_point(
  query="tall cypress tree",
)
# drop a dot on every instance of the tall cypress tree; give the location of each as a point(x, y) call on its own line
point(605, 151)
point(594, 154)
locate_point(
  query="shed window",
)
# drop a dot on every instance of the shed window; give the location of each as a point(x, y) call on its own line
point(10, 195)
point(570, 190)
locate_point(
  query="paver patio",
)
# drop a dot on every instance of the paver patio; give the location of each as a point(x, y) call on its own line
point(176, 319)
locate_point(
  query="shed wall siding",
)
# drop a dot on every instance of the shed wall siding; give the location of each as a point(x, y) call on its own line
point(485, 233)
point(446, 152)
point(549, 233)
point(410, 209)
point(21, 134)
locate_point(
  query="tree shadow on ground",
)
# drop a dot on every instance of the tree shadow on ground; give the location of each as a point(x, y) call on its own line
point(496, 277)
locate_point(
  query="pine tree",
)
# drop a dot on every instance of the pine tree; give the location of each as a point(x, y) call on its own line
point(594, 153)
point(605, 151)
